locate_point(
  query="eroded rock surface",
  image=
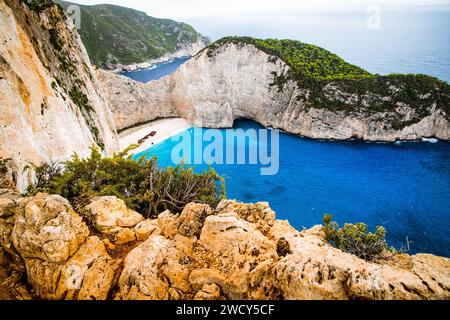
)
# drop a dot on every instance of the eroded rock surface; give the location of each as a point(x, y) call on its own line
point(111, 215)
point(62, 260)
point(235, 251)
point(233, 258)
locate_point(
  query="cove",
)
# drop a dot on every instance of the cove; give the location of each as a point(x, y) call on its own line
point(157, 71)
point(403, 187)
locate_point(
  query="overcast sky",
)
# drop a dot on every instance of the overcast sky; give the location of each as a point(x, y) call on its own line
point(185, 9)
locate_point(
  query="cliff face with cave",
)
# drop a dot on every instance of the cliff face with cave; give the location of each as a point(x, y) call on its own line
point(50, 103)
point(232, 80)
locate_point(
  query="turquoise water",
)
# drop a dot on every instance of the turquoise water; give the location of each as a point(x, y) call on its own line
point(404, 187)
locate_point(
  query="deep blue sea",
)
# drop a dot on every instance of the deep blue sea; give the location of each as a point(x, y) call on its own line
point(403, 187)
point(157, 71)
point(408, 41)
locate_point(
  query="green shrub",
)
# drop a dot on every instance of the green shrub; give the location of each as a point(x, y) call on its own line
point(80, 99)
point(314, 68)
point(355, 239)
point(54, 39)
point(4, 165)
point(309, 63)
point(44, 176)
point(144, 186)
point(38, 5)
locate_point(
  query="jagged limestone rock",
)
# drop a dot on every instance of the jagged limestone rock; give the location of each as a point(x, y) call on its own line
point(62, 260)
point(111, 215)
point(244, 263)
point(232, 252)
point(146, 228)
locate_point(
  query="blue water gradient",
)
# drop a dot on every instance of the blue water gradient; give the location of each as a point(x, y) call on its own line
point(157, 71)
point(404, 187)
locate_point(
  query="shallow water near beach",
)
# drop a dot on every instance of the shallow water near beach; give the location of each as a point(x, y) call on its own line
point(403, 187)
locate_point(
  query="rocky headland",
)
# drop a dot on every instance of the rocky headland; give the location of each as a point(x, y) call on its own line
point(237, 78)
point(122, 39)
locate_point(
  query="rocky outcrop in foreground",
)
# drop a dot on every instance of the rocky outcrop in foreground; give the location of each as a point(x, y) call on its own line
point(234, 251)
point(231, 80)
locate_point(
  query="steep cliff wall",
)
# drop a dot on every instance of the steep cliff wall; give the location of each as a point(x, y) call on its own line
point(50, 104)
point(133, 102)
point(230, 80)
point(240, 81)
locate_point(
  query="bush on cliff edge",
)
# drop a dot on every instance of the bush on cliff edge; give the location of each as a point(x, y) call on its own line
point(355, 239)
point(143, 186)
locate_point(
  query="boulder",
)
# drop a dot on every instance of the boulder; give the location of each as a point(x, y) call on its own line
point(140, 279)
point(146, 228)
point(62, 261)
point(192, 219)
point(189, 223)
point(125, 236)
point(259, 213)
point(168, 223)
point(110, 214)
point(48, 229)
point(208, 292)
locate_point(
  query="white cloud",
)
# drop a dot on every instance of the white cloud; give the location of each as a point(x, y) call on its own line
point(185, 9)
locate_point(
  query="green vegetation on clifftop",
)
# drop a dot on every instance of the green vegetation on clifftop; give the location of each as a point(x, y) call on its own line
point(144, 186)
point(356, 239)
point(116, 35)
point(308, 62)
point(336, 85)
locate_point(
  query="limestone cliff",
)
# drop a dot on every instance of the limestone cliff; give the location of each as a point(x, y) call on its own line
point(133, 102)
point(234, 251)
point(50, 103)
point(230, 80)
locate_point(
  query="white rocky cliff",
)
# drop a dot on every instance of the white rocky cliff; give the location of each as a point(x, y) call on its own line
point(50, 104)
point(233, 81)
point(133, 102)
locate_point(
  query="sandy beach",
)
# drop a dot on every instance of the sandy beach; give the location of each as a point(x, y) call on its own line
point(164, 128)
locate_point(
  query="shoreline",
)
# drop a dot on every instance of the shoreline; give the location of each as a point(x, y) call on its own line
point(164, 129)
point(190, 51)
point(146, 65)
point(167, 128)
